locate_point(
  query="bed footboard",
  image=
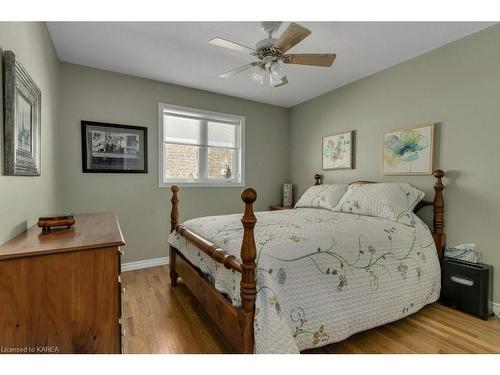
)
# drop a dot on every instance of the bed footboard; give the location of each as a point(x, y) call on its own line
point(174, 221)
point(236, 324)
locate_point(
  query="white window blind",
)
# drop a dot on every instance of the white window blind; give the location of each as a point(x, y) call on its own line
point(200, 148)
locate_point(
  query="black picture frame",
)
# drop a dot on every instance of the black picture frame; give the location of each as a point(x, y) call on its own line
point(114, 158)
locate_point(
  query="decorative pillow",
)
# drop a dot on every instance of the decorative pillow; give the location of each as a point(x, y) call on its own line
point(322, 196)
point(392, 201)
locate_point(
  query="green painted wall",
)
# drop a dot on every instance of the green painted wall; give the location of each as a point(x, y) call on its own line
point(457, 86)
point(24, 199)
point(142, 207)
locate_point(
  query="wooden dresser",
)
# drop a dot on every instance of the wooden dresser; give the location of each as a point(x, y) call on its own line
point(60, 291)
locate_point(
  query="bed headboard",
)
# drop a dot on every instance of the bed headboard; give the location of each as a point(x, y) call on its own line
point(438, 206)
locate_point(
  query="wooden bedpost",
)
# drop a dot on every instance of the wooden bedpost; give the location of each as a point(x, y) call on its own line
point(317, 177)
point(174, 221)
point(248, 285)
point(438, 223)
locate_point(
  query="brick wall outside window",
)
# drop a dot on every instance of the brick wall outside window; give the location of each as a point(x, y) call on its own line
point(217, 158)
point(182, 161)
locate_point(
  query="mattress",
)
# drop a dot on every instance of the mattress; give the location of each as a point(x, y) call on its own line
point(321, 275)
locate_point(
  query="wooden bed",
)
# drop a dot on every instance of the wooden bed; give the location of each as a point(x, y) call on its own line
point(236, 323)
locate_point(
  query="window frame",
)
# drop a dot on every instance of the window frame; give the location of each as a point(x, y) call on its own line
point(167, 183)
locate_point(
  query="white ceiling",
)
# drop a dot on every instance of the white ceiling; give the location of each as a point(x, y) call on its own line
point(179, 52)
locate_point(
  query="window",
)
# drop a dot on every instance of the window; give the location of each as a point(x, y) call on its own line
point(200, 148)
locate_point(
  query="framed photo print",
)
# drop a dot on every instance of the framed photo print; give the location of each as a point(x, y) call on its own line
point(338, 151)
point(113, 148)
point(408, 151)
point(22, 107)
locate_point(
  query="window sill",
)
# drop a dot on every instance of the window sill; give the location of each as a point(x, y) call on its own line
point(167, 185)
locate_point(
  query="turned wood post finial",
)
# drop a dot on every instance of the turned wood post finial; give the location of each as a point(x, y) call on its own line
point(438, 222)
point(317, 177)
point(174, 222)
point(248, 286)
point(174, 214)
point(438, 173)
point(249, 195)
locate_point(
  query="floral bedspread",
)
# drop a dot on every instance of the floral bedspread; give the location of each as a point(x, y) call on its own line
point(321, 275)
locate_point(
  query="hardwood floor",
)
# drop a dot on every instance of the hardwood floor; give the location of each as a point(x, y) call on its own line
point(160, 319)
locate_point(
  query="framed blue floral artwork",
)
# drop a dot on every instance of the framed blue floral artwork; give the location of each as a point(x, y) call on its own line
point(408, 151)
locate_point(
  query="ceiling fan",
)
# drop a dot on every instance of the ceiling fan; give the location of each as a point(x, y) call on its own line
point(271, 53)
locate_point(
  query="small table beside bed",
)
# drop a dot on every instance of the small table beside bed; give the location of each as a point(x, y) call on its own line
point(348, 258)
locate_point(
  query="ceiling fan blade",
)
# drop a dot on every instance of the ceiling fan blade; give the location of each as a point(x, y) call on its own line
point(292, 36)
point(284, 81)
point(237, 70)
point(316, 59)
point(231, 45)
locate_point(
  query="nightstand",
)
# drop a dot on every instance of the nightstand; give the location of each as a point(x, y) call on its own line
point(279, 207)
point(467, 287)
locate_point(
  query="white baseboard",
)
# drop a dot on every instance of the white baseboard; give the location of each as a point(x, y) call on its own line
point(144, 264)
point(496, 308)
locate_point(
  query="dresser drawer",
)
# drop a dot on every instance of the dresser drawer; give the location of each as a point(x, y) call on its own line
point(71, 298)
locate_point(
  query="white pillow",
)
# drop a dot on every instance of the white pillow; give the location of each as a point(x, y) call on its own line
point(322, 196)
point(394, 201)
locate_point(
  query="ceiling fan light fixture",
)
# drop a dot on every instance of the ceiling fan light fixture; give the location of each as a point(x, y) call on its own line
point(273, 80)
point(276, 73)
point(259, 76)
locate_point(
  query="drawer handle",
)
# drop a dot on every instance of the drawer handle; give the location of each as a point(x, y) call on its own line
point(123, 290)
point(462, 280)
point(123, 333)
